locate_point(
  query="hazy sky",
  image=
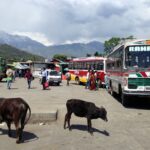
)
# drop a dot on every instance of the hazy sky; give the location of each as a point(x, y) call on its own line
point(65, 21)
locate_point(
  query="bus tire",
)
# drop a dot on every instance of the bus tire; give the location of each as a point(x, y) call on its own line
point(124, 99)
point(77, 81)
point(112, 93)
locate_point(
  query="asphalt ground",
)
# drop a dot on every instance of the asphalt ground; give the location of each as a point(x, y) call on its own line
point(128, 128)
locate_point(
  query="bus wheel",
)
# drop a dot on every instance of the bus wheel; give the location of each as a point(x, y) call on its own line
point(124, 99)
point(77, 80)
point(112, 92)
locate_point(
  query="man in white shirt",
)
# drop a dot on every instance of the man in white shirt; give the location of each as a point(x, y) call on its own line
point(44, 76)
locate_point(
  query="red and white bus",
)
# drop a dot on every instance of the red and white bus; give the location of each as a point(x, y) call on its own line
point(78, 67)
point(128, 69)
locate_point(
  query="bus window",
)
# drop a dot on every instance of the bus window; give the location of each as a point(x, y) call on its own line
point(75, 65)
point(79, 65)
point(100, 66)
point(84, 65)
point(94, 66)
point(147, 59)
point(148, 48)
point(136, 59)
point(139, 57)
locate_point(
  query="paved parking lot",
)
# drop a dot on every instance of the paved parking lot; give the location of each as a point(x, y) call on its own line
point(126, 129)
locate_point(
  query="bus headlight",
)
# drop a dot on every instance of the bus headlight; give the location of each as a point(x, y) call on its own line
point(125, 81)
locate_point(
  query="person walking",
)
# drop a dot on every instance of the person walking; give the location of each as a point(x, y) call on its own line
point(29, 77)
point(68, 77)
point(106, 82)
point(44, 78)
point(9, 74)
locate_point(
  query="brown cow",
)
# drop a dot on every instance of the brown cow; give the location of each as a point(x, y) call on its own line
point(84, 109)
point(14, 110)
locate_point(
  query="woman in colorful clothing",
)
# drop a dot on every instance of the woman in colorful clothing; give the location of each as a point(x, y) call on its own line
point(92, 81)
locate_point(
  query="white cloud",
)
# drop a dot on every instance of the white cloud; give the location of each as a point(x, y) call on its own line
point(60, 21)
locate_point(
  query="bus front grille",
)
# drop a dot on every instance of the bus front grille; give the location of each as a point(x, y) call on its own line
point(133, 83)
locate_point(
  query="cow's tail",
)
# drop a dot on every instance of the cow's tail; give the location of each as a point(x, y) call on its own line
point(27, 119)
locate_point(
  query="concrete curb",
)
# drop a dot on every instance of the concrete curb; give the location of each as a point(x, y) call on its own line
point(43, 117)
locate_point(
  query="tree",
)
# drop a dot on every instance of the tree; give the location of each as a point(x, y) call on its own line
point(110, 44)
point(61, 57)
point(96, 54)
point(88, 55)
point(114, 41)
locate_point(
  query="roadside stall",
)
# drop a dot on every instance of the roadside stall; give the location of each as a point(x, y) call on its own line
point(21, 69)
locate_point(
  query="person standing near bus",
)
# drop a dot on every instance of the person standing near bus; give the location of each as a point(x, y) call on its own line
point(44, 76)
point(106, 82)
point(96, 80)
point(9, 74)
point(68, 77)
point(92, 81)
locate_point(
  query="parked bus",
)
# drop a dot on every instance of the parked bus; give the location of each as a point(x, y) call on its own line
point(78, 67)
point(2, 68)
point(128, 69)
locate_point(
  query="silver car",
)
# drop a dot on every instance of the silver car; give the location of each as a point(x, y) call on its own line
point(54, 77)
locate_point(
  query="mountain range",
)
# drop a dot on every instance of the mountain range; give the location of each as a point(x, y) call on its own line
point(26, 44)
point(13, 54)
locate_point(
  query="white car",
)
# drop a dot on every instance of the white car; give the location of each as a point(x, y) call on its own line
point(54, 77)
point(37, 74)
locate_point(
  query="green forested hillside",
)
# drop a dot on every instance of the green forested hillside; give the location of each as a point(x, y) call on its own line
point(13, 54)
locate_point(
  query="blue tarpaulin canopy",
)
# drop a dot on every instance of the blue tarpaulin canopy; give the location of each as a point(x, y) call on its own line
point(18, 66)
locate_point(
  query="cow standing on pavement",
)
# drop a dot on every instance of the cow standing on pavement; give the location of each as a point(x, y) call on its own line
point(84, 109)
point(14, 110)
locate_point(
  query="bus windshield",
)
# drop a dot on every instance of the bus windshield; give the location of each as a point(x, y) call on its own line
point(138, 56)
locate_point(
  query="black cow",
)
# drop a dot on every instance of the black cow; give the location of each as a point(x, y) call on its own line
point(14, 110)
point(84, 109)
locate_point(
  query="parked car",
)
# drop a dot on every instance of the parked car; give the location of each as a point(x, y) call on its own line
point(54, 77)
point(37, 74)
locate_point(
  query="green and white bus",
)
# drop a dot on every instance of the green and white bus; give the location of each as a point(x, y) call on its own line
point(128, 69)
